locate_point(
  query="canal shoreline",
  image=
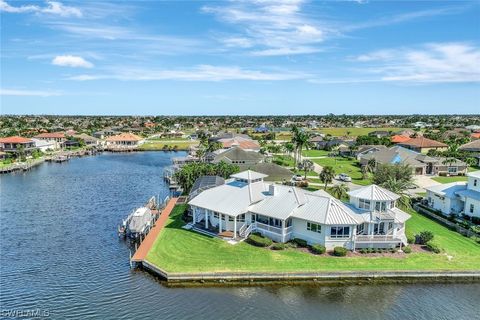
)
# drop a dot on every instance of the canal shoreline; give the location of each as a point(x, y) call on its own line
point(327, 278)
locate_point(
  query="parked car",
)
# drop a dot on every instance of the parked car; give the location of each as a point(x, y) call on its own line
point(344, 177)
point(297, 177)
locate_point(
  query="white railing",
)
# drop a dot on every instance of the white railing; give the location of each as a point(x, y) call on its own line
point(246, 231)
point(242, 229)
point(288, 230)
point(266, 227)
point(376, 238)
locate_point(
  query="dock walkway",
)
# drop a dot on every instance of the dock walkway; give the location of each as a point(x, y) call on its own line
point(149, 240)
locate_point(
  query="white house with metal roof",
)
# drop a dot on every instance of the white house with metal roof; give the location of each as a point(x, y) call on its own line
point(246, 203)
point(457, 197)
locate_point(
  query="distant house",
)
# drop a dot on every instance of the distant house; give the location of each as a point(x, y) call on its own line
point(334, 143)
point(367, 149)
point(241, 142)
point(262, 129)
point(379, 134)
point(16, 145)
point(44, 145)
point(89, 140)
point(124, 139)
point(457, 197)
point(423, 145)
point(102, 134)
point(398, 138)
point(204, 183)
point(421, 164)
point(58, 138)
point(473, 148)
point(475, 135)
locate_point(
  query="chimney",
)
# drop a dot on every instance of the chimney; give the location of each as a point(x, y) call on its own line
point(271, 189)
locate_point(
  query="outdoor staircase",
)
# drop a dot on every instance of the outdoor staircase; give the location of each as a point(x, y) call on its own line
point(245, 230)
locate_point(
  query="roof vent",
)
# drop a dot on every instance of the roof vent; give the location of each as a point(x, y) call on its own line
point(272, 189)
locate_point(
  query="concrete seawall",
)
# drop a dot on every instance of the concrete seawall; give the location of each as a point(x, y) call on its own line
point(227, 278)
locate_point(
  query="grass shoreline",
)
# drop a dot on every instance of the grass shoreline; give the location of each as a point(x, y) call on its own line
point(177, 250)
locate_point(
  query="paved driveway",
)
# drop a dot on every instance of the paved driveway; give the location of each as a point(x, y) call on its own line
point(422, 182)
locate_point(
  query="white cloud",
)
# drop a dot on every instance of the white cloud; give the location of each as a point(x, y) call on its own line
point(271, 27)
point(71, 61)
point(28, 93)
point(198, 73)
point(52, 7)
point(436, 62)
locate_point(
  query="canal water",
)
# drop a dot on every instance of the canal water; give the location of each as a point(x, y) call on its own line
point(60, 254)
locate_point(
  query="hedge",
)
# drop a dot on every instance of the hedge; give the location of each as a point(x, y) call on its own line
point(278, 246)
point(318, 249)
point(407, 249)
point(432, 246)
point(300, 242)
point(340, 251)
point(259, 241)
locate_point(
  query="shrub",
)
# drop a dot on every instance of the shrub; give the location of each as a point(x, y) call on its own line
point(300, 242)
point(393, 250)
point(407, 249)
point(432, 246)
point(259, 241)
point(318, 249)
point(363, 251)
point(424, 237)
point(411, 239)
point(339, 251)
point(278, 246)
point(291, 244)
point(476, 220)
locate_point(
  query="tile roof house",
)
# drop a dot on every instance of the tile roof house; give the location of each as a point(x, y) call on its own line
point(15, 145)
point(238, 141)
point(57, 138)
point(246, 203)
point(421, 164)
point(399, 138)
point(457, 197)
point(126, 139)
point(423, 145)
point(473, 148)
point(236, 155)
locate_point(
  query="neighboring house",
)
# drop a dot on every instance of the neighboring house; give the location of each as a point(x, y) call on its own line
point(315, 140)
point(241, 142)
point(124, 139)
point(367, 149)
point(57, 138)
point(237, 155)
point(273, 171)
point(16, 145)
point(262, 129)
point(423, 145)
point(379, 134)
point(247, 204)
point(473, 148)
point(102, 134)
point(475, 135)
point(44, 145)
point(457, 197)
point(89, 140)
point(334, 143)
point(398, 138)
point(203, 183)
point(421, 164)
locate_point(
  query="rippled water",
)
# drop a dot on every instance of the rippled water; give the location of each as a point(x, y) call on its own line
point(60, 252)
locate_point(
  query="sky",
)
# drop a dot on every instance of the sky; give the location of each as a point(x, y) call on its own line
point(258, 57)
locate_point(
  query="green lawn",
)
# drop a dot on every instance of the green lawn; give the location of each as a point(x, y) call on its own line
point(179, 250)
point(154, 146)
point(344, 165)
point(315, 153)
point(283, 160)
point(450, 179)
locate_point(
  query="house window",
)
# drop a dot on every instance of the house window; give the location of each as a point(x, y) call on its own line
point(380, 206)
point(215, 215)
point(254, 217)
point(339, 232)
point(241, 218)
point(363, 204)
point(314, 227)
point(288, 222)
point(360, 228)
point(275, 222)
point(472, 207)
point(452, 169)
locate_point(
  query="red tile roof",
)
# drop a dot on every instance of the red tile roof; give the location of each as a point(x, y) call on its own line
point(51, 135)
point(422, 142)
point(399, 138)
point(15, 139)
point(241, 142)
point(124, 137)
point(476, 135)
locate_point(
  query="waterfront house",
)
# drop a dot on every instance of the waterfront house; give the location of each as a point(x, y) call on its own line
point(457, 197)
point(16, 145)
point(124, 140)
point(241, 142)
point(57, 138)
point(89, 140)
point(44, 145)
point(246, 203)
point(421, 164)
point(236, 155)
point(423, 145)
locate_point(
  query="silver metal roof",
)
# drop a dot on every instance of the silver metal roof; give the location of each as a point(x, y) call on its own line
point(373, 193)
point(249, 175)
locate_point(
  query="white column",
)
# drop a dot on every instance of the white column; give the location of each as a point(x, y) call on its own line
point(394, 230)
point(194, 215)
point(234, 227)
point(219, 222)
point(206, 219)
point(283, 230)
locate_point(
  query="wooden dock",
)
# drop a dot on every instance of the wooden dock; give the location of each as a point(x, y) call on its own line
point(149, 240)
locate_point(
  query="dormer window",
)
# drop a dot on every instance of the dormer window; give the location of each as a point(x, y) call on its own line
point(364, 204)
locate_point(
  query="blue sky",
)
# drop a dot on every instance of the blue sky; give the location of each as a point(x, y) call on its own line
point(240, 57)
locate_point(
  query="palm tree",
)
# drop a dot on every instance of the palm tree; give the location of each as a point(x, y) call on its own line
point(327, 175)
point(339, 191)
point(367, 168)
point(306, 165)
point(399, 187)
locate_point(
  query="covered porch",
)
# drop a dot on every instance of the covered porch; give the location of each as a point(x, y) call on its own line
point(220, 224)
